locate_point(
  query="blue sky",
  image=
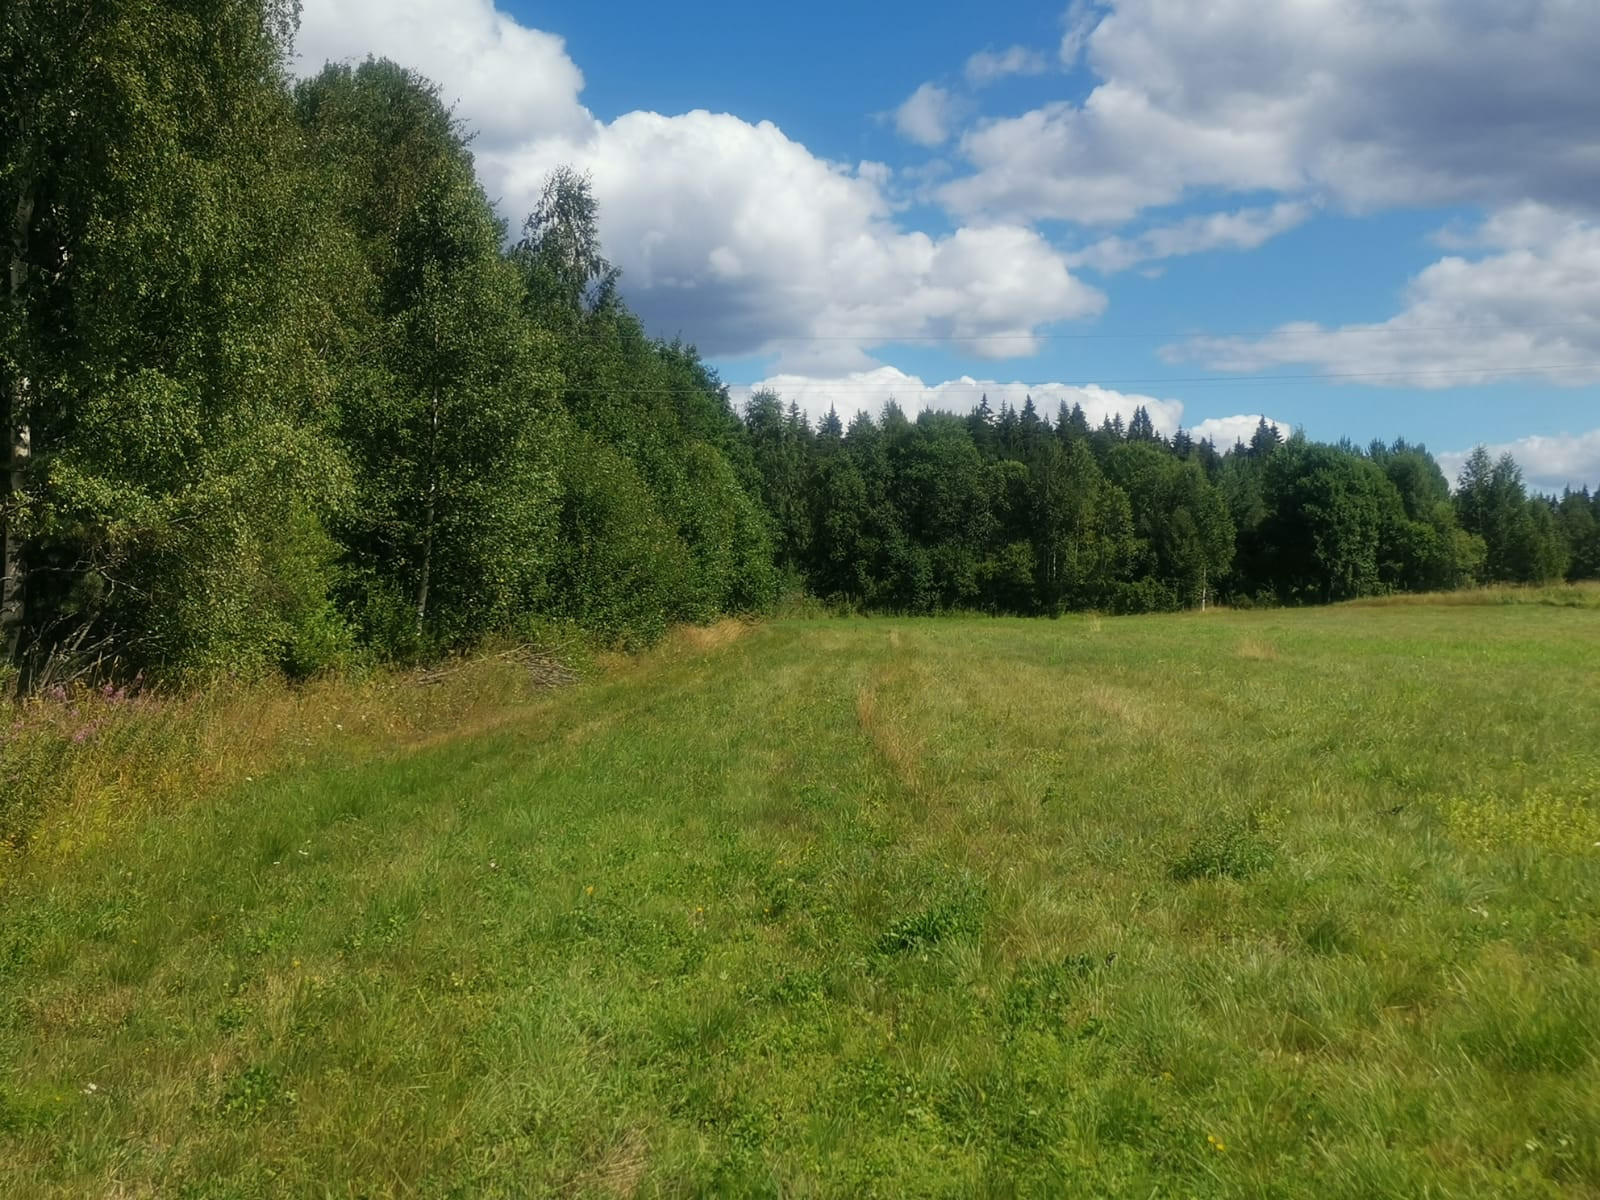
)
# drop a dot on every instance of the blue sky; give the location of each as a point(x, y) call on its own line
point(1367, 218)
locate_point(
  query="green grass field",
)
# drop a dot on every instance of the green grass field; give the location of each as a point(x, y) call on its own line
point(1300, 903)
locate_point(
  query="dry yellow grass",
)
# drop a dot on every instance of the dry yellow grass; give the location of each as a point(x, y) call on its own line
point(620, 1170)
point(885, 724)
point(1122, 705)
point(699, 639)
point(1257, 650)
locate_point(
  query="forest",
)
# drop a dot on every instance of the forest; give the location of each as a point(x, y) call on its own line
point(283, 394)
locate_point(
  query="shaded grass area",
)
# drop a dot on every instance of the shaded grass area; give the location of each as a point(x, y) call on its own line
point(1266, 904)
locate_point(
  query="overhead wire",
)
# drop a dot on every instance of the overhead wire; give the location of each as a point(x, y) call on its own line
point(846, 386)
point(777, 382)
point(1342, 331)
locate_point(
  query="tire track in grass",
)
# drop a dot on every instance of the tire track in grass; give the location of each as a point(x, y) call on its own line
point(885, 724)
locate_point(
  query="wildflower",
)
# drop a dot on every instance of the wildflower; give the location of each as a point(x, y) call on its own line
point(1216, 1143)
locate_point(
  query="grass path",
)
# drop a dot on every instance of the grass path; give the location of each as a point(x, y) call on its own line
point(1283, 904)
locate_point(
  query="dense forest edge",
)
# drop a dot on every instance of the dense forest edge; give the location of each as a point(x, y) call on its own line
point(283, 396)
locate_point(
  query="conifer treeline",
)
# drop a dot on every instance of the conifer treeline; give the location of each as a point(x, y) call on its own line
point(278, 391)
point(1012, 512)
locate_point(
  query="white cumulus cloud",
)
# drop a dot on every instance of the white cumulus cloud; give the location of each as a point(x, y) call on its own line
point(1225, 431)
point(1242, 230)
point(743, 240)
point(926, 115)
point(512, 82)
point(1077, 23)
point(727, 231)
point(1549, 464)
point(988, 66)
point(1374, 103)
point(1528, 307)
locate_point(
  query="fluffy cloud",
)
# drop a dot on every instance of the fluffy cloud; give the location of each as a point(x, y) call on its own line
point(988, 66)
point(868, 391)
point(1549, 464)
point(1372, 102)
point(1108, 161)
point(1077, 23)
point(925, 116)
point(1242, 230)
point(513, 83)
point(745, 241)
point(727, 232)
point(1528, 308)
point(1225, 431)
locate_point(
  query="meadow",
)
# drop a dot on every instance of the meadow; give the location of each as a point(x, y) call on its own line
point(1278, 903)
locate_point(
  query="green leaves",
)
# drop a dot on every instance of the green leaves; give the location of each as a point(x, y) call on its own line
point(1522, 541)
point(560, 250)
point(286, 388)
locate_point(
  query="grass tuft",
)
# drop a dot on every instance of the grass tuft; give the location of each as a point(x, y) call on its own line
point(955, 911)
point(1231, 847)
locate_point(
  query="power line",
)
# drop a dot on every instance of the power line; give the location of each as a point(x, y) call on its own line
point(1345, 331)
point(1002, 387)
point(1153, 380)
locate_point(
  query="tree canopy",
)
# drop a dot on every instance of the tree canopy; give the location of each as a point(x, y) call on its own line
point(1006, 511)
point(279, 391)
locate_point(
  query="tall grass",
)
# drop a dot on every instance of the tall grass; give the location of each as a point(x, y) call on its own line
point(76, 765)
point(1583, 594)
